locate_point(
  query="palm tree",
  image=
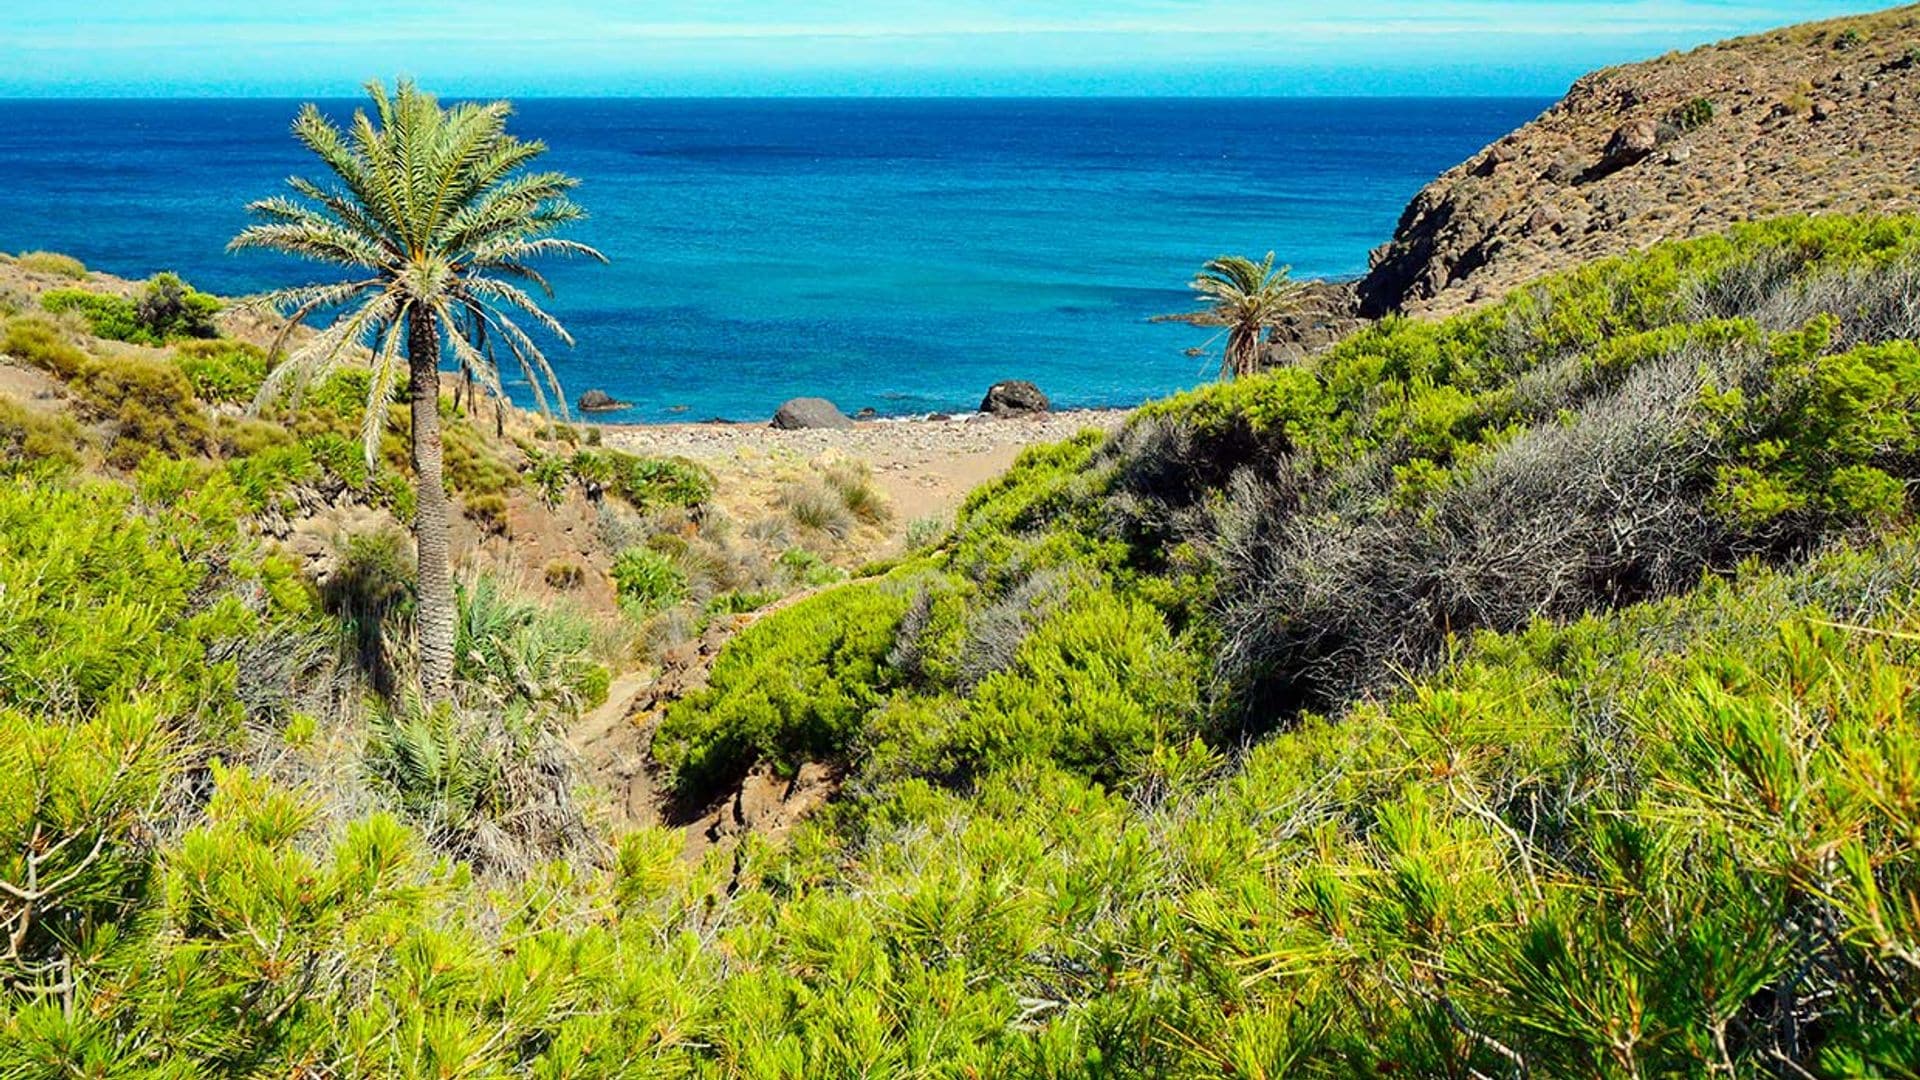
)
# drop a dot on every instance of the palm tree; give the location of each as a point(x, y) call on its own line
point(435, 218)
point(1248, 299)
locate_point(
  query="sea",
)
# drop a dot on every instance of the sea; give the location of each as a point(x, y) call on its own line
point(898, 255)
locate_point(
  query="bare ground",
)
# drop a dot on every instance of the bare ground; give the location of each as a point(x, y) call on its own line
point(924, 467)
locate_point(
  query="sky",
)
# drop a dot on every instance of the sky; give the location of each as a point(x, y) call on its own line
point(327, 48)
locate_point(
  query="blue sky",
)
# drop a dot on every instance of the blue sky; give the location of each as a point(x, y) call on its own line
point(762, 47)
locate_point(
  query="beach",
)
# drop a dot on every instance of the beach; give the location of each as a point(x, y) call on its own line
point(925, 467)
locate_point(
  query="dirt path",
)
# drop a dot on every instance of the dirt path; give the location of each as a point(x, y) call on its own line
point(613, 751)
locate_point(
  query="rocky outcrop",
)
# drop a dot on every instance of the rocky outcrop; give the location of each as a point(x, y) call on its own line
point(810, 412)
point(1817, 118)
point(1014, 397)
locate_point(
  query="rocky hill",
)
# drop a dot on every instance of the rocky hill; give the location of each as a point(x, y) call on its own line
point(1823, 117)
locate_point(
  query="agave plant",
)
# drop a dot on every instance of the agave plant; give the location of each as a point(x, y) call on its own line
point(436, 218)
point(1246, 298)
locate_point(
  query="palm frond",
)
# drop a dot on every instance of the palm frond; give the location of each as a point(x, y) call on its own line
point(514, 296)
point(386, 367)
point(323, 351)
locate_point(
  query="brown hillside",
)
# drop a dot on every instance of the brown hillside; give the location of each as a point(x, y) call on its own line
point(1820, 117)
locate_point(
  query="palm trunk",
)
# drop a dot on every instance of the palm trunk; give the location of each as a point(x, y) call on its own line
point(1243, 352)
point(430, 518)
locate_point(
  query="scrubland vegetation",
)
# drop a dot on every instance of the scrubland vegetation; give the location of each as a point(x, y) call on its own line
point(1527, 694)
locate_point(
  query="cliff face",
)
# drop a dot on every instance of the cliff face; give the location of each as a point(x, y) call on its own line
point(1814, 118)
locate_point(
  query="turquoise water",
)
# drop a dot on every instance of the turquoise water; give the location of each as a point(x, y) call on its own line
point(901, 255)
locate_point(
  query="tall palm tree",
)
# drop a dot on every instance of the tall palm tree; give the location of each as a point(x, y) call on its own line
point(1248, 299)
point(435, 218)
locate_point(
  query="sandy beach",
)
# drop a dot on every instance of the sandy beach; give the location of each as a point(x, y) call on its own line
point(924, 466)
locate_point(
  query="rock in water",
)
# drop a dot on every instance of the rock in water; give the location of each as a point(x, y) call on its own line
point(810, 412)
point(601, 401)
point(1015, 397)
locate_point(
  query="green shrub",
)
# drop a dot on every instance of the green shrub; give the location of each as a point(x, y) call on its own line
point(107, 316)
point(343, 392)
point(474, 467)
point(1097, 688)
point(48, 262)
point(169, 308)
point(741, 603)
point(116, 660)
point(166, 308)
point(647, 579)
point(40, 344)
point(1822, 437)
point(31, 439)
point(1671, 837)
point(806, 569)
point(512, 651)
point(1692, 115)
point(594, 472)
point(564, 574)
point(487, 511)
point(243, 436)
point(792, 687)
point(266, 477)
point(370, 594)
point(151, 404)
point(149, 401)
point(926, 532)
point(481, 787)
point(652, 483)
point(229, 372)
point(550, 475)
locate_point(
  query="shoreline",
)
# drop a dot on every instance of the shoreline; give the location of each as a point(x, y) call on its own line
point(1050, 418)
point(618, 417)
point(925, 466)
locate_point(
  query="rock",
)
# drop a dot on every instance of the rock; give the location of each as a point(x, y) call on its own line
point(1679, 155)
point(1497, 155)
point(868, 413)
point(1544, 220)
point(601, 401)
point(1565, 169)
point(1630, 144)
point(810, 412)
point(1015, 397)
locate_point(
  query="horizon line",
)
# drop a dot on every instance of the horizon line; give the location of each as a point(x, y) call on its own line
point(1030, 96)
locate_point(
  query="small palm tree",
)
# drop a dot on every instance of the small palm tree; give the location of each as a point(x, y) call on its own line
point(436, 220)
point(1248, 299)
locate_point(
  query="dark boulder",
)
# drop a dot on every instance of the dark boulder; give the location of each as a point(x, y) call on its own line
point(1631, 143)
point(810, 412)
point(601, 401)
point(1015, 397)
